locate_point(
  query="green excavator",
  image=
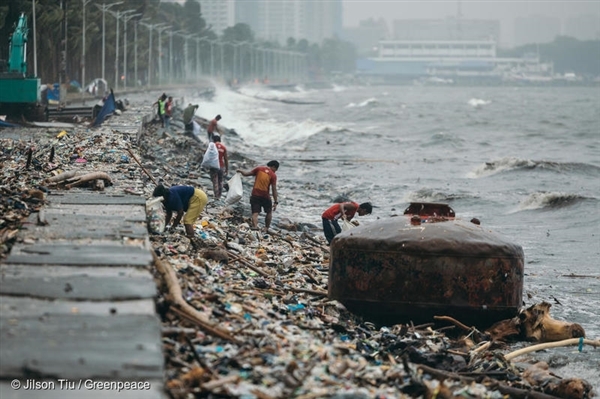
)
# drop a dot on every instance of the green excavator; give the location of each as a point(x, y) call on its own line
point(19, 93)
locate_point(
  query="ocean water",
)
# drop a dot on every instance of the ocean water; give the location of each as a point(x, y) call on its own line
point(524, 160)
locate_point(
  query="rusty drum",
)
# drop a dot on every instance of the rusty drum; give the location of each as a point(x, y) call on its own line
point(395, 271)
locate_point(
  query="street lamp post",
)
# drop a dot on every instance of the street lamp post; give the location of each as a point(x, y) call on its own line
point(84, 3)
point(160, 28)
point(186, 63)
point(104, 8)
point(135, 55)
point(149, 26)
point(171, 74)
point(126, 19)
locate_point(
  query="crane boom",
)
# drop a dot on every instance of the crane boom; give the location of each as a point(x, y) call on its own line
point(17, 61)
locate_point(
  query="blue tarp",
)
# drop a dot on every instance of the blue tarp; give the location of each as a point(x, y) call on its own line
point(6, 124)
point(53, 95)
point(107, 109)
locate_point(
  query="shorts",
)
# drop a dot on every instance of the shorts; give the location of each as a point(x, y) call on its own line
point(196, 206)
point(256, 203)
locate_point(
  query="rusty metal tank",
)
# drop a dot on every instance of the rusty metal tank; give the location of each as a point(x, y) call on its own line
point(412, 268)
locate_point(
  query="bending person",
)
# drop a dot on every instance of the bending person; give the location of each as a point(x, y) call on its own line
point(182, 199)
point(344, 210)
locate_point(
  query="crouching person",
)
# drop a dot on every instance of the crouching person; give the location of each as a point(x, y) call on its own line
point(182, 200)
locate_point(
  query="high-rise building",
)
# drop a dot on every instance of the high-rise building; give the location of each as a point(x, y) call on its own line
point(219, 14)
point(536, 29)
point(298, 19)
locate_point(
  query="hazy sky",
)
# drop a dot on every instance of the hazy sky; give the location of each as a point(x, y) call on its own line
point(504, 10)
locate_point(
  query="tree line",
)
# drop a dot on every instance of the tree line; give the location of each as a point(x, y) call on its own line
point(320, 59)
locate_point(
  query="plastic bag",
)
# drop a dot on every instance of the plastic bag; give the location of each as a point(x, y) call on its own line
point(345, 225)
point(155, 215)
point(196, 128)
point(211, 157)
point(236, 190)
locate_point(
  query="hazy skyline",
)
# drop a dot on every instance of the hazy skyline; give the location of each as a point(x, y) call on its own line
point(504, 10)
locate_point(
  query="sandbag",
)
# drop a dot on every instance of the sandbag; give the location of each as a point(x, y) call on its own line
point(236, 190)
point(155, 215)
point(211, 157)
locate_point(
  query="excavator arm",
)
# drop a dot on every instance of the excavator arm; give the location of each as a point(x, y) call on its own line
point(17, 53)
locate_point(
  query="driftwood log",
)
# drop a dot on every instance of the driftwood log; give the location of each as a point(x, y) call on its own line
point(539, 347)
point(535, 324)
point(181, 307)
point(90, 177)
point(569, 388)
point(62, 177)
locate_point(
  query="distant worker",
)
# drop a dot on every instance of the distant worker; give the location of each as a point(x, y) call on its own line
point(168, 112)
point(344, 210)
point(265, 177)
point(212, 126)
point(188, 117)
point(160, 103)
point(218, 175)
point(182, 199)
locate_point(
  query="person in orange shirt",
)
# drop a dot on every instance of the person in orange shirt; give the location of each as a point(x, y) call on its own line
point(344, 210)
point(260, 198)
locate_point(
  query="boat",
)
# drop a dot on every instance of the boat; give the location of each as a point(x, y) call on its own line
point(426, 263)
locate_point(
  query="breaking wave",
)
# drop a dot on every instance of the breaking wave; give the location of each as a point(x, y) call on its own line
point(515, 164)
point(368, 102)
point(545, 200)
point(431, 195)
point(478, 102)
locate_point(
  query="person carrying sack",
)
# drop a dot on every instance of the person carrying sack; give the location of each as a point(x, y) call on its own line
point(211, 162)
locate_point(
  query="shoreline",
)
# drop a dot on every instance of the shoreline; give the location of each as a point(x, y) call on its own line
point(267, 293)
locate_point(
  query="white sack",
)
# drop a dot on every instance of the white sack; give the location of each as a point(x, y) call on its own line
point(236, 190)
point(211, 157)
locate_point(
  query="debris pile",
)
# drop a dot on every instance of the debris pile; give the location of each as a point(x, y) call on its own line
point(246, 314)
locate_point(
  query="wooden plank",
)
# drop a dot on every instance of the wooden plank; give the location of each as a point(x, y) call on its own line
point(69, 339)
point(94, 198)
point(13, 307)
point(54, 391)
point(79, 255)
point(133, 213)
point(67, 282)
point(84, 226)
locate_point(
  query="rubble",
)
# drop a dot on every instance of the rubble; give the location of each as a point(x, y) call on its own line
point(246, 314)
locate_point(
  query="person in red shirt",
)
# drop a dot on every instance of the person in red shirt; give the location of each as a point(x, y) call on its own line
point(265, 178)
point(344, 210)
point(217, 175)
point(212, 127)
point(168, 112)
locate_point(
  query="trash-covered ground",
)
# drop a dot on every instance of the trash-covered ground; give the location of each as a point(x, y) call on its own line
point(246, 314)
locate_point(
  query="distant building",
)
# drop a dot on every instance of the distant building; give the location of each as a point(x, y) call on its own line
point(323, 20)
point(299, 19)
point(220, 14)
point(366, 35)
point(583, 27)
point(536, 29)
point(446, 29)
point(410, 59)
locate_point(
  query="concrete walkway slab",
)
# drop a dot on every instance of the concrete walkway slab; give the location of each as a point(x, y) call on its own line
point(82, 255)
point(85, 283)
point(69, 339)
